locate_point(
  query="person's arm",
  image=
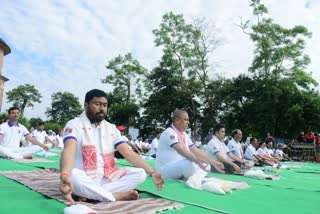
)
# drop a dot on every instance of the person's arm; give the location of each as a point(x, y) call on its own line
point(66, 164)
point(202, 155)
point(34, 141)
point(133, 146)
point(137, 161)
point(190, 156)
point(224, 160)
point(49, 140)
point(1, 137)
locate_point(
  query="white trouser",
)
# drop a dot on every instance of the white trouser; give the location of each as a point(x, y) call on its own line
point(180, 169)
point(102, 189)
point(18, 153)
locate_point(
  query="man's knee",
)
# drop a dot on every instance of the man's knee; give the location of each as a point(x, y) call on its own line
point(141, 175)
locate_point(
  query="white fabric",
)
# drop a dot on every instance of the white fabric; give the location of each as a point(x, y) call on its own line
point(78, 209)
point(236, 148)
point(59, 139)
point(183, 168)
point(106, 145)
point(154, 146)
point(250, 151)
point(18, 153)
point(217, 146)
point(40, 135)
point(12, 135)
point(74, 130)
point(279, 152)
point(165, 152)
point(262, 151)
point(102, 189)
point(270, 151)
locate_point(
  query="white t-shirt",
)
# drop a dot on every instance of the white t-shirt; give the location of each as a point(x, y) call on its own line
point(40, 135)
point(166, 154)
point(263, 152)
point(250, 151)
point(236, 148)
point(270, 151)
point(154, 145)
point(279, 152)
point(217, 146)
point(12, 135)
point(74, 130)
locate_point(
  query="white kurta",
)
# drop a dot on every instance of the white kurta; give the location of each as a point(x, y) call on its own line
point(99, 188)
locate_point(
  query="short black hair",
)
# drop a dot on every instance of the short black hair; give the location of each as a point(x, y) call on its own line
point(218, 127)
point(94, 93)
point(41, 123)
point(13, 108)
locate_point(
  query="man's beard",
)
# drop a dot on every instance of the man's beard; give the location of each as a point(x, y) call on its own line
point(96, 118)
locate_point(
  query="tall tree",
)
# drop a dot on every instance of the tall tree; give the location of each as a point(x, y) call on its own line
point(24, 96)
point(127, 75)
point(64, 106)
point(278, 73)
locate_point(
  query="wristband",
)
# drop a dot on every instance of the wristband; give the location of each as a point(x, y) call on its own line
point(150, 174)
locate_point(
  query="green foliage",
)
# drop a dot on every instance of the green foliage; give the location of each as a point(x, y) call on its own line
point(3, 117)
point(119, 112)
point(53, 126)
point(35, 122)
point(127, 74)
point(64, 107)
point(24, 96)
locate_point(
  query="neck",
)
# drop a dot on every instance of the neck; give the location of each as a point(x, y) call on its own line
point(13, 122)
point(177, 128)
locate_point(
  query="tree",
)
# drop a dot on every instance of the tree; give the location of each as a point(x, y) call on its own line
point(64, 107)
point(24, 96)
point(278, 70)
point(120, 113)
point(127, 76)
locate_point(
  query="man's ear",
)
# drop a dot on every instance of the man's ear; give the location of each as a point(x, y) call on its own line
point(86, 105)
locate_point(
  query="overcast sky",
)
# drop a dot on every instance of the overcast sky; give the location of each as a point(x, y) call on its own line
point(65, 45)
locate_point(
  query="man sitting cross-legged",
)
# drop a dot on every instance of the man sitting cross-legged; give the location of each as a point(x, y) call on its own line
point(87, 163)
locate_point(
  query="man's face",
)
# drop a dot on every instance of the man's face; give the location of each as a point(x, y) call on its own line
point(96, 109)
point(14, 115)
point(238, 136)
point(221, 133)
point(182, 122)
point(270, 145)
point(41, 127)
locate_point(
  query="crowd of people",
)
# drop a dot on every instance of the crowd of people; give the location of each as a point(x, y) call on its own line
point(90, 145)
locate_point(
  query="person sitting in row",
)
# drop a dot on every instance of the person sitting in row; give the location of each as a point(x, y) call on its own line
point(281, 154)
point(177, 156)
point(11, 133)
point(41, 135)
point(263, 151)
point(218, 150)
point(154, 145)
point(235, 147)
point(127, 140)
point(252, 154)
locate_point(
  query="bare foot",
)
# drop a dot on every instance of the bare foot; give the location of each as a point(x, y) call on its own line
point(126, 196)
point(27, 157)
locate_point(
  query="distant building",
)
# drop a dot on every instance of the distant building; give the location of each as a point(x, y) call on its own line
point(4, 50)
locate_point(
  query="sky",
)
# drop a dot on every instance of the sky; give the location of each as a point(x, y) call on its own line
point(66, 45)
